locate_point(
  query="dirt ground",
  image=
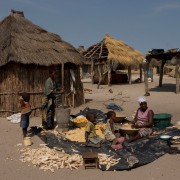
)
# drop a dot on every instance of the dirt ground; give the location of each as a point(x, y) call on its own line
point(161, 100)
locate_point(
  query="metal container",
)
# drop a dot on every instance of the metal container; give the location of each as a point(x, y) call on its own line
point(63, 118)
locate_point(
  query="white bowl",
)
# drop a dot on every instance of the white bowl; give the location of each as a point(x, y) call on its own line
point(165, 137)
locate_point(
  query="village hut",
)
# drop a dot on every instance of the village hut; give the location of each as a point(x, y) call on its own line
point(27, 53)
point(104, 57)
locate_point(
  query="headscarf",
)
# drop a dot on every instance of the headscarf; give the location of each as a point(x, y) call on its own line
point(141, 99)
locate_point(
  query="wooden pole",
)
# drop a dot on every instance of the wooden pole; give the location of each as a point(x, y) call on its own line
point(109, 73)
point(161, 72)
point(177, 78)
point(129, 74)
point(100, 76)
point(92, 71)
point(146, 67)
point(140, 71)
point(62, 82)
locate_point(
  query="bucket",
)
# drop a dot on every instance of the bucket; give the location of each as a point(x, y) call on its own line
point(27, 141)
point(162, 120)
point(63, 118)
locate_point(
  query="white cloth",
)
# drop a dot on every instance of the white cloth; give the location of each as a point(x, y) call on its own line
point(15, 118)
point(141, 99)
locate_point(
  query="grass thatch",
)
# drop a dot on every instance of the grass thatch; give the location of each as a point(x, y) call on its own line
point(115, 50)
point(23, 42)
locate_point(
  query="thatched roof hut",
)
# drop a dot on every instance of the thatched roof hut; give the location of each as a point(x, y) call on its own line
point(27, 52)
point(110, 50)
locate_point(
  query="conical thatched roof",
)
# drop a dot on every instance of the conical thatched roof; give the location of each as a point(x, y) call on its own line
point(23, 42)
point(115, 50)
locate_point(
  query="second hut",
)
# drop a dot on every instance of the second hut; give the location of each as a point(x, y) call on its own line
point(106, 56)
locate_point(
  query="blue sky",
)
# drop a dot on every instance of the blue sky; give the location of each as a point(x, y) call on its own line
point(143, 24)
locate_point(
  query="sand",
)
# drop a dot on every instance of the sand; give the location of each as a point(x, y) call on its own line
point(161, 100)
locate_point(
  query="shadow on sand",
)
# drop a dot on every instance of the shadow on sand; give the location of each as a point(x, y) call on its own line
point(167, 87)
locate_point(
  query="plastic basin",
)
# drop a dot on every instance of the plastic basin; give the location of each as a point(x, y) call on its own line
point(162, 120)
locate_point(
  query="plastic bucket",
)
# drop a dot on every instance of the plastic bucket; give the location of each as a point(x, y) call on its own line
point(27, 141)
point(63, 118)
point(162, 120)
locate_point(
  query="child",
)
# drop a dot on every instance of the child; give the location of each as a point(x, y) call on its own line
point(109, 132)
point(25, 112)
point(92, 139)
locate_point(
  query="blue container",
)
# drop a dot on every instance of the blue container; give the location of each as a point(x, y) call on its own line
point(162, 120)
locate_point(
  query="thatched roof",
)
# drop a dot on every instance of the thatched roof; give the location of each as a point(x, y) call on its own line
point(23, 42)
point(115, 50)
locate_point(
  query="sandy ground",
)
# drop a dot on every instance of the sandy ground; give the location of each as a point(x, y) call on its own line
point(161, 100)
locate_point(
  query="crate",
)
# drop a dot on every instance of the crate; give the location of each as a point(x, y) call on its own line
point(90, 160)
point(162, 120)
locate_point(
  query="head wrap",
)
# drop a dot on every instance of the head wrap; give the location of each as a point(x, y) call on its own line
point(141, 99)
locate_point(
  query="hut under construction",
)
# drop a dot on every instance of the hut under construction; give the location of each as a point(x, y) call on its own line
point(106, 56)
point(27, 52)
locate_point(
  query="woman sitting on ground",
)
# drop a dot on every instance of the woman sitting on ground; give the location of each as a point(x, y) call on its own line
point(143, 120)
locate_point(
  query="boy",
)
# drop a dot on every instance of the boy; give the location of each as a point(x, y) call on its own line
point(92, 139)
point(25, 112)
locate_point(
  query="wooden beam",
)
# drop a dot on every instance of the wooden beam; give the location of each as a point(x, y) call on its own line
point(101, 49)
point(98, 48)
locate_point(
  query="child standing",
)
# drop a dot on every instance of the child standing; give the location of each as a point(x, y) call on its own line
point(109, 132)
point(92, 139)
point(25, 112)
